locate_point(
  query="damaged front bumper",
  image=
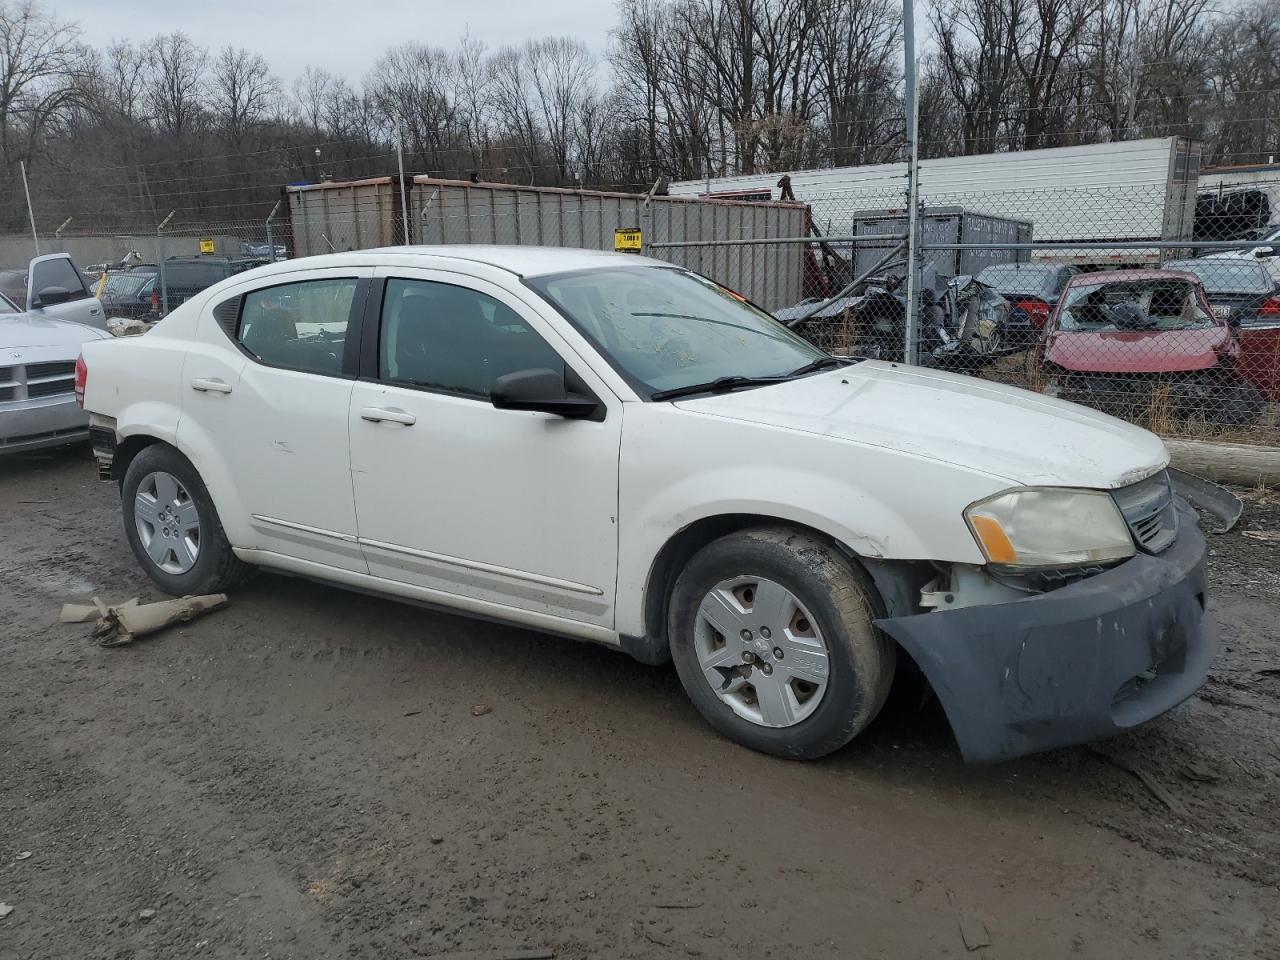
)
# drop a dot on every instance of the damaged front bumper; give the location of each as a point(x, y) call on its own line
point(1082, 662)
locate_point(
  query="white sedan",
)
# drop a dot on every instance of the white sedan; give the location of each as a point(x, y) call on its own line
point(611, 448)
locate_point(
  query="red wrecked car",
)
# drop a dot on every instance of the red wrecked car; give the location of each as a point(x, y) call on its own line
point(1133, 341)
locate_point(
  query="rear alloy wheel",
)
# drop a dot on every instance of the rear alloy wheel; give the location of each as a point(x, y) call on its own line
point(172, 526)
point(168, 522)
point(772, 633)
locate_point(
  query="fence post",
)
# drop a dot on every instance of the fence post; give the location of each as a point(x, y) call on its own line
point(911, 312)
point(646, 218)
point(164, 289)
point(271, 245)
point(404, 206)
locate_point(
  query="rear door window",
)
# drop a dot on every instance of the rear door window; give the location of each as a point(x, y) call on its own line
point(298, 326)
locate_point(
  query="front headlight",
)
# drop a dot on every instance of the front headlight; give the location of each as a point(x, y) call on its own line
point(1046, 526)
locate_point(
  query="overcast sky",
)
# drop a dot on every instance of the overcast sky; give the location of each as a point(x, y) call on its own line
point(344, 37)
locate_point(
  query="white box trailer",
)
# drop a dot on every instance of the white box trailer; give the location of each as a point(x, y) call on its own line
point(1130, 191)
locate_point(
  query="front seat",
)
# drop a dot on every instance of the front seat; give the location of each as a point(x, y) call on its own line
point(442, 341)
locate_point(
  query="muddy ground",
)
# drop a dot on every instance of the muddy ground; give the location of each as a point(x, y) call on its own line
point(301, 775)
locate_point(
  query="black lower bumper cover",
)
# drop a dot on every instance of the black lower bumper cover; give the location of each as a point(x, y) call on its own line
point(1076, 664)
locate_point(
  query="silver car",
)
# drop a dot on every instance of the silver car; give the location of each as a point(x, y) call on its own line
point(38, 351)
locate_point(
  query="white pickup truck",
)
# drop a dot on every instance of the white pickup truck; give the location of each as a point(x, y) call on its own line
point(610, 448)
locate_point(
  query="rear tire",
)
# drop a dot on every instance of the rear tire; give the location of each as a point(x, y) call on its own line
point(172, 526)
point(798, 596)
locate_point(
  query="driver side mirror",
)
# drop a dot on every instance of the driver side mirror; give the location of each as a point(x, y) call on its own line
point(50, 296)
point(544, 391)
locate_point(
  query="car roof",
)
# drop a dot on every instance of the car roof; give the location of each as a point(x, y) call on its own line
point(1121, 276)
point(523, 261)
point(1019, 267)
point(1226, 265)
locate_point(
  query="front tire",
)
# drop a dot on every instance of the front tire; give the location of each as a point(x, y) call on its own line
point(172, 526)
point(772, 634)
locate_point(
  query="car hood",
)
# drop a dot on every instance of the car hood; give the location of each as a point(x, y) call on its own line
point(1002, 431)
point(1138, 351)
point(26, 330)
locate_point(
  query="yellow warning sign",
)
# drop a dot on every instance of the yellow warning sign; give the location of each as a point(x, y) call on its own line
point(207, 245)
point(627, 239)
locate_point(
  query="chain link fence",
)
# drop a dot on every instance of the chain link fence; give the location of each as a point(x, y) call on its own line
point(1106, 297)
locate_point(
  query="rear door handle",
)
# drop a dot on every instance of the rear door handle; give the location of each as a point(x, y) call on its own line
point(210, 385)
point(390, 414)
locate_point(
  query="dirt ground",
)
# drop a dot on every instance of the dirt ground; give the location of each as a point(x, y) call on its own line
point(302, 775)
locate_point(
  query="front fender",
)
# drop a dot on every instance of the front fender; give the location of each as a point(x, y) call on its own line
point(879, 503)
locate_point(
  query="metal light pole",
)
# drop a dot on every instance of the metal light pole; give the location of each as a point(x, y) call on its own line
point(911, 113)
point(30, 212)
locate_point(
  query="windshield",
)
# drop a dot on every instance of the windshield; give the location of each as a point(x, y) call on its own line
point(1227, 277)
point(1134, 305)
point(1017, 277)
point(126, 284)
point(666, 328)
point(190, 274)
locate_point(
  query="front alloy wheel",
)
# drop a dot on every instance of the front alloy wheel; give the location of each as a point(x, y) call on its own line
point(761, 651)
point(772, 631)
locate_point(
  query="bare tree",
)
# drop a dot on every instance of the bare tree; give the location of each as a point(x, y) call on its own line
point(40, 61)
point(176, 83)
point(638, 47)
point(560, 71)
point(515, 110)
point(472, 96)
point(411, 87)
point(736, 85)
point(1047, 44)
point(858, 52)
point(1110, 62)
point(312, 92)
point(241, 92)
point(1245, 72)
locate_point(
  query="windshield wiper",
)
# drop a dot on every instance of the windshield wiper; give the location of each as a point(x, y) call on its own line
point(819, 364)
point(719, 385)
point(724, 384)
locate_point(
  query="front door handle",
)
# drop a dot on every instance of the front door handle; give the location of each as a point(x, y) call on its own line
point(390, 414)
point(210, 385)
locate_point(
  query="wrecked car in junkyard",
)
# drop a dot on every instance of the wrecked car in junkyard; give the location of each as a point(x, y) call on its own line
point(963, 321)
point(611, 448)
point(1247, 296)
point(1145, 344)
point(38, 351)
point(37, 380)
point(1032, 289)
